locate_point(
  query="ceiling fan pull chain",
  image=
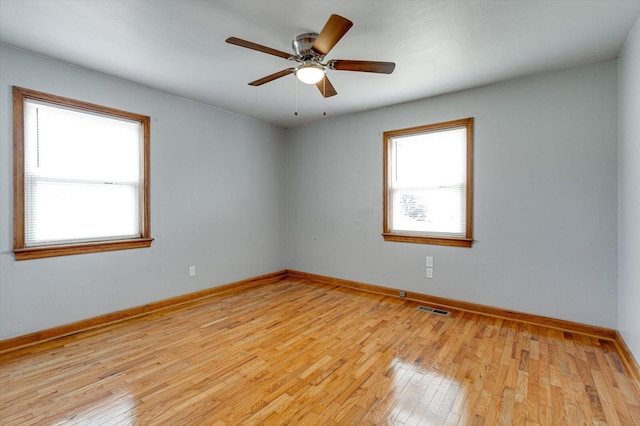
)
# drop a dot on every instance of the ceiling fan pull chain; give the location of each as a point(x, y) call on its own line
point(324, 91)
point(296, 112)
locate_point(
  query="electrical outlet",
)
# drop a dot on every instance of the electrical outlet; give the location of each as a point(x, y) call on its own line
point(403, 294)
point(429, 272)
point(429, 261)
point(192, 271)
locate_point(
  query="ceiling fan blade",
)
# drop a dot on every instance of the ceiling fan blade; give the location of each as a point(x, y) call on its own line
point(258, 47)
point(362, 66)
point(326, 88)
point(272, 77)
point(333, 30)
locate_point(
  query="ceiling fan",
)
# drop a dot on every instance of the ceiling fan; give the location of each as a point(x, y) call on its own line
point(310, 50)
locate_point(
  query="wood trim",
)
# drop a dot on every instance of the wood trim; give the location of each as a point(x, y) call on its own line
point(420, 239)
point(469, 194)
point(18, 168)
point(441, 302)
point(24, 253)
point(628, 358)
point(74, 103)
point(137, 311)
point(146, 178)
point(425, 238)
point(386, 184)
point(27, 253)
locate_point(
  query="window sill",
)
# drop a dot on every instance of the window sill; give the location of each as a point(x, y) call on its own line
point(422, 239)
point(26, 253)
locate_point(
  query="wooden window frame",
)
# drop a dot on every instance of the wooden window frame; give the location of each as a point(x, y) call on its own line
point(421, 237)
point(21, 251)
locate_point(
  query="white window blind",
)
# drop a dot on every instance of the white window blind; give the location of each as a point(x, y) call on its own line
point(428, 184)
point(83, 175)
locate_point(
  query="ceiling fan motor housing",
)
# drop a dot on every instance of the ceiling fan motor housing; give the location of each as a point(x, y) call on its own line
point(302, 46)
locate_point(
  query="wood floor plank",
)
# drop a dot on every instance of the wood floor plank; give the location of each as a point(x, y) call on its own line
point(294, 351)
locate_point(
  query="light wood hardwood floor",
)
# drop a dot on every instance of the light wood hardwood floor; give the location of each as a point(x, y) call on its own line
point(302, 353)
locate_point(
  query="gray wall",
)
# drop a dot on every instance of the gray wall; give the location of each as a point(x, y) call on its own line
point(217, 202)
point(545, 198)
point(629, 219)
point(225, 188)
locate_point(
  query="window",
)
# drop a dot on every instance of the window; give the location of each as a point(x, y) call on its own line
point(428, 193)
point(81, 177)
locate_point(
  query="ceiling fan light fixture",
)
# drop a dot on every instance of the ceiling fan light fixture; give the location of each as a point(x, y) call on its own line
point(310, 73)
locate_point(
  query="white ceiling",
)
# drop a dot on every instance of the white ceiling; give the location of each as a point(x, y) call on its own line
point(178, 46)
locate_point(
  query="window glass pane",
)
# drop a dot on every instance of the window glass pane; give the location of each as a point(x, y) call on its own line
point(67, 211)
point(433, 210)
point(71, 144)
point(429, 183)
point(431, 159)
point(83, 175)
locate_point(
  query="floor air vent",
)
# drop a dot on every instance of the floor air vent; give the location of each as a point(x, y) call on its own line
point(434, 310)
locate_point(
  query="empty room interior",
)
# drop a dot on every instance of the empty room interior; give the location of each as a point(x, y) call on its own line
point(441, 228)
